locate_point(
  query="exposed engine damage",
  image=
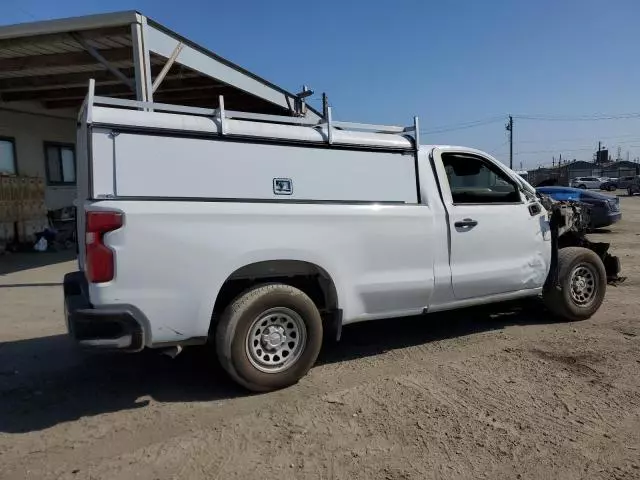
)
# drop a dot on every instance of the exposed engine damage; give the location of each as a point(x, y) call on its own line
point(569, 223)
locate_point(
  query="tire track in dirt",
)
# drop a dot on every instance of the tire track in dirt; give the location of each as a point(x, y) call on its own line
point(123, 435)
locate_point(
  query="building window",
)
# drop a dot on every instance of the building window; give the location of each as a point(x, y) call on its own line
point(60, 163)
point(7, 155)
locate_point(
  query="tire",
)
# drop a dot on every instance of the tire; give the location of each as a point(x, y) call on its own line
point(611, 188)
point(582, 186)
point(286, 311)
point(586, 269)
point(630, 191)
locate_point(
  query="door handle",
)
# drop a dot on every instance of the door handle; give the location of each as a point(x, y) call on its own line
point(466, 223)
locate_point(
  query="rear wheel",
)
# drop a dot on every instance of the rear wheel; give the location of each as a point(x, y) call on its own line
point(583, 186)
point(269, 337)
point(581, 286)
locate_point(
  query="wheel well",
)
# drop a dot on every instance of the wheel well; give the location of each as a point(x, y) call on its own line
point(308, 277)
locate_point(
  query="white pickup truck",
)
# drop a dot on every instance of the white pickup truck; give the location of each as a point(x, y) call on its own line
point(263, 234)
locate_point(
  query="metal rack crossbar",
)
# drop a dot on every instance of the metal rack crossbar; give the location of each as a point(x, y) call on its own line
point(222, 115)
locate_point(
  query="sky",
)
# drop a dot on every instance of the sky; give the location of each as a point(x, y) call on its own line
point(462, 66)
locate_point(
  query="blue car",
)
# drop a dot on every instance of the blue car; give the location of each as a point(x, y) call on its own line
point(604, 209)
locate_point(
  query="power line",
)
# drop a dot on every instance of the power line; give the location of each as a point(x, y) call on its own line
point(578, 149)
point(497, 118)
point(25, 11)
point(464, 125)
point(561, 140)
point(497, 149)
point(578, 118)
point(559, 150)
point(532, 117)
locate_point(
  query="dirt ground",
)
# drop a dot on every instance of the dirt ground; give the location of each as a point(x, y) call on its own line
point(501, 393)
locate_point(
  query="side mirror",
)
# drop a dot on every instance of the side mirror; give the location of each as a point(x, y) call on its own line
point(535, 209)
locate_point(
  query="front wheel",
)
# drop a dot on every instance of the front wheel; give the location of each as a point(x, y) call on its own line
point(269, 337)
point(582, 186)
point(581, 285)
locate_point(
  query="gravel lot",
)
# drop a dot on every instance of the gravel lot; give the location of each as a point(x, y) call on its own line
point(501, 393)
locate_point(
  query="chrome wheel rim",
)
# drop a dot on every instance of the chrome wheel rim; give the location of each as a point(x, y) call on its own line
point(276, 339)
point(583, 285)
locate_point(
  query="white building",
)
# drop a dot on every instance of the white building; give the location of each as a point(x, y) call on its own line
point(45, 68)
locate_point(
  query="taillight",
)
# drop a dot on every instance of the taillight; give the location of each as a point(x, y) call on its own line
point(99, 259)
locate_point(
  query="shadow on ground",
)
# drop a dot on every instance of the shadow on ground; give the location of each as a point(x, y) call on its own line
point(30, 285)
point(17, 262)
point(47, 381)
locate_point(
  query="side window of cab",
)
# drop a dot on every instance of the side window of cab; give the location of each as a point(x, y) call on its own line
point(475, 180)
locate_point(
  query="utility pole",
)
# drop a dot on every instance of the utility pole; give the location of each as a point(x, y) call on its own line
point(509, 128)
point(598, 159)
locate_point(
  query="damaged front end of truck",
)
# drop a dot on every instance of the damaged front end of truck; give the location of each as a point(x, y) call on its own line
point(569, 224)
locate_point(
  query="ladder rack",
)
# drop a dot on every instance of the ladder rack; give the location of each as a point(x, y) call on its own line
point(222, 115)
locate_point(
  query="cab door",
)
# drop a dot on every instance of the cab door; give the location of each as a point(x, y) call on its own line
point(499, 240)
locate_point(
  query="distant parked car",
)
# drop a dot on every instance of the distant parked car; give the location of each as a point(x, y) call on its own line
point(610, 184)
point(625, 182)
point(587, 182)
point(604, 209)
point(634, 186)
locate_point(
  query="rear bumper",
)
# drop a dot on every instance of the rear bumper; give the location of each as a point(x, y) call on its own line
point(117, 327)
